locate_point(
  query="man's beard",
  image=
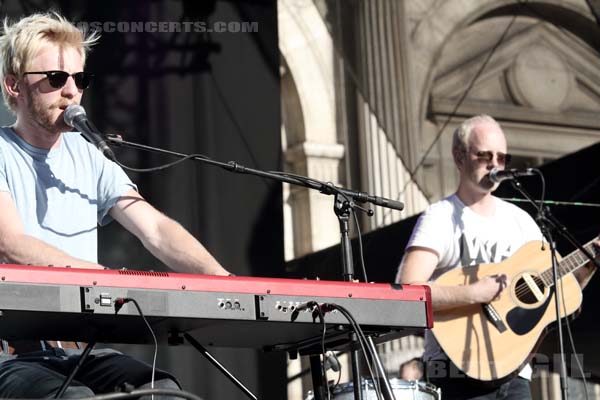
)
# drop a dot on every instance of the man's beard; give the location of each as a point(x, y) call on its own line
point(42, 115)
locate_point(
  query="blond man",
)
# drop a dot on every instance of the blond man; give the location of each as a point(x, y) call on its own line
point(55, 188)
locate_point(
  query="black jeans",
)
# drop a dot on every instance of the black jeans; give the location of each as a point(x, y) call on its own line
point(41, 374)
point(456, 386)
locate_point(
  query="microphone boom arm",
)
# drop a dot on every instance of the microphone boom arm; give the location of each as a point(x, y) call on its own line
point(293, 179)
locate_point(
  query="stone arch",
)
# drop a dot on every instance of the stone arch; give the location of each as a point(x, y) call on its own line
point(308, 101)
point(292, 113)
point(307, 48)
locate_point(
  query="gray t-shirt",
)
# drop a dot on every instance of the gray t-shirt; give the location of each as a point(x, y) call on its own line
point(61, 194)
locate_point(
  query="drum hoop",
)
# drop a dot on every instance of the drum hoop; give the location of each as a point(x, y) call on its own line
point(400, 384)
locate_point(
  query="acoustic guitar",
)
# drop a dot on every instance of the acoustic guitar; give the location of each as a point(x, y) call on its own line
point(491, 341)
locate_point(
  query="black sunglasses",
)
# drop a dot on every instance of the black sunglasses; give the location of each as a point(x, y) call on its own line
point(58, 79)
point(488, 156)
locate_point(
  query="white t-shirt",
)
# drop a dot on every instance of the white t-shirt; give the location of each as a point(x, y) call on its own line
point(464, 238)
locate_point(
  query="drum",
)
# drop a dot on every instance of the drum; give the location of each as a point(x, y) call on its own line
point(403, 390)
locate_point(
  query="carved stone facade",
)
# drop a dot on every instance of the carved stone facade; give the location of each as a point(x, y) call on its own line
point(540, 82)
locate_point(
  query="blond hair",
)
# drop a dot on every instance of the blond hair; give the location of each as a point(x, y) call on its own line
point(22, 40)
point(460, 139)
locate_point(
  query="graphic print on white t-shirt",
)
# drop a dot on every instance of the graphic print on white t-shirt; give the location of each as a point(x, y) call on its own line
point(475, 250)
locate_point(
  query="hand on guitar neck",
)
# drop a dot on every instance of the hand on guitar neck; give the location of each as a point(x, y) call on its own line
point(585, 273)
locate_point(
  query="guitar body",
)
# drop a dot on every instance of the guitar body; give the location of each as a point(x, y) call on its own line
point(488, 348)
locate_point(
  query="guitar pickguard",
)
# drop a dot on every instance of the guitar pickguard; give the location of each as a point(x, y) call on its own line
point(521, 320)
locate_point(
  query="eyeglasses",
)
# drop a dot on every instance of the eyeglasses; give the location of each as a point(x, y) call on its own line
point(58, 79)
point(488, 156)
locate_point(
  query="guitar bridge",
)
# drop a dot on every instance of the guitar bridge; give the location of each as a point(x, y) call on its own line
point(493, 316)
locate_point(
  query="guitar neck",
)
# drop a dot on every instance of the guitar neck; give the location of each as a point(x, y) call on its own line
point(569, 264)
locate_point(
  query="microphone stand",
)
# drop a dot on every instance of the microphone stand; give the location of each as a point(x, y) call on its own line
point(69, 378)
point(298, 180)
point(344, 204)
point(548, 222)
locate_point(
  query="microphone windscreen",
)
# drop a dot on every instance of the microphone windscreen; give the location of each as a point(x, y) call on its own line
point(72, 112)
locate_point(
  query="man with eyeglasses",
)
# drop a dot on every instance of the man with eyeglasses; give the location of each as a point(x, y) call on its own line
point(55, 188)
point(469, 227)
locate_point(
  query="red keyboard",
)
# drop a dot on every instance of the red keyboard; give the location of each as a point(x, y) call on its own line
point(79, 304)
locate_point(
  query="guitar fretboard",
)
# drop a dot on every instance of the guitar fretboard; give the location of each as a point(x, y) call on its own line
point(569, 264)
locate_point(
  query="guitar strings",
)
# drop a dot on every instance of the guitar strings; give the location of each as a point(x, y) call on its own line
point(565, 267)
point(522, 288)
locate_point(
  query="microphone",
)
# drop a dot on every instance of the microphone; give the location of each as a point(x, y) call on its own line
point(76, 117)
point(331, 361)
point(498, 175)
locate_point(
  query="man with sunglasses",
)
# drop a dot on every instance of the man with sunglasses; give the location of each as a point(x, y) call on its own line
point(470, 227)
point(55, 188)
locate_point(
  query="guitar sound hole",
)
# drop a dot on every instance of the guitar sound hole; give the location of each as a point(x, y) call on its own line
point(524, 292)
